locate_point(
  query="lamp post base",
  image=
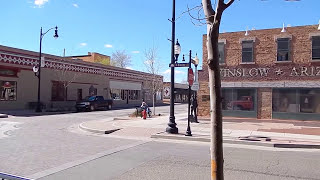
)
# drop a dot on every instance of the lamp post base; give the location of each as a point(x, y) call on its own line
point(172, 127)
point(188, 133)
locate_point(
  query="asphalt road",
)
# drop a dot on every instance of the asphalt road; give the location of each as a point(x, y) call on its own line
point(32, 144)
point(52, 147)
point(191, 161)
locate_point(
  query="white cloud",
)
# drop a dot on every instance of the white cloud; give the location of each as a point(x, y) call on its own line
point(75, 5)
point(108, 45)
point(40, 3)
point(129, 68)
point(179, 72)
point(83, 44)
point(135, 52)
point(168, 71)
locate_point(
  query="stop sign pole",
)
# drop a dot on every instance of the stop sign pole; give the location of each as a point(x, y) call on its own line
point(190, 80)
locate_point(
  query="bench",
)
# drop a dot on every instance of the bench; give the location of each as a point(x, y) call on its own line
point(138, 111)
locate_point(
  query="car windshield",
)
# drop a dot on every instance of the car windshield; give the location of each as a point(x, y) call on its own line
point(90, 98)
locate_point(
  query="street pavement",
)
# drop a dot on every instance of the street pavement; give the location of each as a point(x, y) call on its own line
point(74, 146)
point(177, 160)
point(34, 142)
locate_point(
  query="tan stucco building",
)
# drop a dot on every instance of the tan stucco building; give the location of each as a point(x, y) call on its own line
point(64, 80)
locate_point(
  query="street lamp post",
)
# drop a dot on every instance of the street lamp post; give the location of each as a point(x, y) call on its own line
point(172, 126)
point(37, 70)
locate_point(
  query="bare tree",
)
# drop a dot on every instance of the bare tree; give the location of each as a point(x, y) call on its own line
point(155, 84)
point(65, 76)
point(213, 19)
point(120, 58)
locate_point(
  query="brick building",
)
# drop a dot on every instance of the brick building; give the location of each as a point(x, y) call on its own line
point(93, 57)
point(64, 80)
point(270, 73)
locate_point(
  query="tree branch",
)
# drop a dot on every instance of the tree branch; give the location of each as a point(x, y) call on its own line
point(208, 11)
point(188, 11)
point(225, 6)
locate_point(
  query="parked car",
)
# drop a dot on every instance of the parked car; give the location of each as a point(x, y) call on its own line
point(92, 103)
point(245, 103)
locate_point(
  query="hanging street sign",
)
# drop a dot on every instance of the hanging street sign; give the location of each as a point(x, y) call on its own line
point(195, 86)
point(190, 76)
point(179, 65)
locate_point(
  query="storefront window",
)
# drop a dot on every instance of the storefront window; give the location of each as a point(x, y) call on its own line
point(121, 94)
point(58, 92)
point(7, 72)
point(93, 91)
point(238, 99)
point(115, 94)
point(296, 100)
point(8, 90)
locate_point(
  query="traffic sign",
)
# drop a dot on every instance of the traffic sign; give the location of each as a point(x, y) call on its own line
point(179, 65)
point(195, 86)
point(167, 91)
point(190, 76)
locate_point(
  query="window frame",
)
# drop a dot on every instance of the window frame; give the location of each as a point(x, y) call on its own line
point(58, 96)
point(14, 86)
point(312, 48)
point(224, 52)
point(252, 51)
point(282, 39)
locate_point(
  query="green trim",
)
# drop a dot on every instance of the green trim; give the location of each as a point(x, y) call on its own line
point(235, 113)
point(296, 116)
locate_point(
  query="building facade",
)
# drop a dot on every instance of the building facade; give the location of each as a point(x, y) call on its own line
point(65, 80)
point(270, 73)
point(181, 92)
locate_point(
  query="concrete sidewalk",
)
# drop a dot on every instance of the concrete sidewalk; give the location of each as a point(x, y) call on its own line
point(274, 133)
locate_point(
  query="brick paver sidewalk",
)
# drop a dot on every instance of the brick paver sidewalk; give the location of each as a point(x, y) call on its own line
point(235, 129)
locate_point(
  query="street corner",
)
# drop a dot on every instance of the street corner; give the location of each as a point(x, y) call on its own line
point(181, 136)
point(279, 142)
point(7, 128)
point(100, 127)
point(3, 116)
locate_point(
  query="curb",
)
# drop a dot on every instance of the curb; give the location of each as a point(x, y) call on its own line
point(81, 126)
point(306, 146)
point(3, 116)
point(164, 135)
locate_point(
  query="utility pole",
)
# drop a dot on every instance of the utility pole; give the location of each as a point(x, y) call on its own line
point(172, 126)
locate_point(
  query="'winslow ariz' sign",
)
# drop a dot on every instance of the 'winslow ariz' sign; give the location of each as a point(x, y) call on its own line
point(271, 73)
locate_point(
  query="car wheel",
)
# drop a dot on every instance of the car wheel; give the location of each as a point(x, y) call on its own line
point(92, 108)
point(109, 106)
point(77, 110)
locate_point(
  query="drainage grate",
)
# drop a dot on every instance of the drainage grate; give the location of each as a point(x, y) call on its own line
point(254, 138)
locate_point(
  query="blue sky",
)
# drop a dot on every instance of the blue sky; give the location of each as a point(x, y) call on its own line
point(104, 26)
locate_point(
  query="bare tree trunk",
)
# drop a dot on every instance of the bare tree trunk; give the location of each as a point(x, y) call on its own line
point(213, 19)
point(153, 104)
point(215, 106)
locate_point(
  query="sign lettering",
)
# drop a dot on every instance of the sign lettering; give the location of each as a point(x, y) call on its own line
point(266, 72)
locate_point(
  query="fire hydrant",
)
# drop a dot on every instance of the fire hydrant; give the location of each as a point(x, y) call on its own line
point(144, 114)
